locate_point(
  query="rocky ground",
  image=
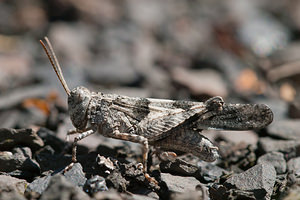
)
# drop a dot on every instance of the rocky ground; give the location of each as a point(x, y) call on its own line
point(245, 51)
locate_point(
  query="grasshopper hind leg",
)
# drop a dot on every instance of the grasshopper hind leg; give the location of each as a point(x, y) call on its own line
point(137, 139)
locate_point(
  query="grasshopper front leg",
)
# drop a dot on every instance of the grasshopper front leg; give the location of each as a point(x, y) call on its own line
point(79, 137)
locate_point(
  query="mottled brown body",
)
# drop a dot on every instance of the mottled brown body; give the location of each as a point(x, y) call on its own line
point(169, 124)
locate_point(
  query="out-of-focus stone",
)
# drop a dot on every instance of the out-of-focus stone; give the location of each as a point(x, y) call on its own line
point(51, 139)
point(95, 184)
point(293, 166)
point(288, 147)
point(200, 82)
point(38, 185)
point(285, 129)
point(60, 187)
point(76, 176)
point(276, 159)
point(294, 109)
point(24, 137)
point(19, 185)
point(18, 159)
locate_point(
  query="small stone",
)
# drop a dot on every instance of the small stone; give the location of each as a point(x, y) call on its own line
point(259, 179)
point(210, 172)
point(117, 181)
point(24, 137)
point(276, 159)
point(75, 175)
point(285, 129)
point(60, 188)
point(178, 167)
point(179, 183)
point(39, 185)
point(105, 163)
point(94, 185)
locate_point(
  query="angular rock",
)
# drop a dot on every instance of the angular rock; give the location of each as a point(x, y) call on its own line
point(285, 129)
point(117, 181)
point(210, 172)
point(60, 188)
point(179, 183)
point(38, 185)
point(76, 176)
point(178, 167)
point(288, 147)
point(259, 179)
point(23, 137)
point(18, 159)
point(51, 139)
point(274, 158)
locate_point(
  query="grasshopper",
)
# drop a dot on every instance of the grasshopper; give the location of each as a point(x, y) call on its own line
point(168, 124)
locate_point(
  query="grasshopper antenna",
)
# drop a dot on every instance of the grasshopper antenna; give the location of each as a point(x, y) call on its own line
point(55, 64)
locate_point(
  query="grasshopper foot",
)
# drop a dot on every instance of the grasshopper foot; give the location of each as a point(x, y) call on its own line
point(67, 168)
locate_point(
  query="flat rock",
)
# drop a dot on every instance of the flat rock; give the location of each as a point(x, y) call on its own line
point(285, 129)
point(259, 179)
point(276, 159)
point(60, 188)
point(23, 137)
point(179, 183)
point(267, 144)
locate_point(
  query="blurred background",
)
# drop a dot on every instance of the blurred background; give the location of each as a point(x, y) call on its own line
point(245, 51)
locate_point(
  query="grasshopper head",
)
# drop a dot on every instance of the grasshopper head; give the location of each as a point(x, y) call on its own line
point(78, 99)
point(78, 103)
